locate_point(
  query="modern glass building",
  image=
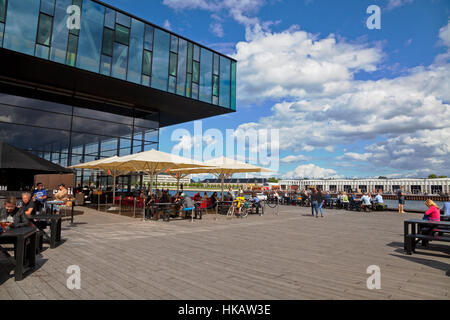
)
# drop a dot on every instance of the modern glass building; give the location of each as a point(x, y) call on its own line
point(73, 95)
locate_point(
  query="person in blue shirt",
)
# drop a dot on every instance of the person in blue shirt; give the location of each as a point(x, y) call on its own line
point(379, 199)
point(40, 196)
point(446, 210)
point(256, 203)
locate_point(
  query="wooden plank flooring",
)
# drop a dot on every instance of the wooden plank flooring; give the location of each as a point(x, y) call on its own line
point(291, 256)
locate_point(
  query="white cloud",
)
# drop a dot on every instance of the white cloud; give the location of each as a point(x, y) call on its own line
point(397, 3)
point(311, 171)
point(167, 25)
point(292, 158)
point(327, 108)
point(296, 64)
point(240, 10)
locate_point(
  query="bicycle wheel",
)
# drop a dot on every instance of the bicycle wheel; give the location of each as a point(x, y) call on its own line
point(273, 204)
point(230, 212)
point(243, 212)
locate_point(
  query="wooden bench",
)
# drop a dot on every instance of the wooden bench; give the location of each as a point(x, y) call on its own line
point(411, 239)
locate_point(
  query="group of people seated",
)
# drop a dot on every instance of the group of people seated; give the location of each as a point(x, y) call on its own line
point(16, 214)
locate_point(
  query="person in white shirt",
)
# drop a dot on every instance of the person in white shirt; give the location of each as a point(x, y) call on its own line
point(366, 202)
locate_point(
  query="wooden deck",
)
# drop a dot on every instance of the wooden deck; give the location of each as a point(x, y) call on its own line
point(291, 256)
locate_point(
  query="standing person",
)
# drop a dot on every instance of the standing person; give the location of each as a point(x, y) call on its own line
point(256, 203)
point(401, 200)
point(320, 200)
point(316, 199)
point(231, 192)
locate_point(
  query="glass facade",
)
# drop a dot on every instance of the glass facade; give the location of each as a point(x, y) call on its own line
point(114, 44)
point(69, 135)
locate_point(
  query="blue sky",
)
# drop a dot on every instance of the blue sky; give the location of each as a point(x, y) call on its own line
point(348, 101)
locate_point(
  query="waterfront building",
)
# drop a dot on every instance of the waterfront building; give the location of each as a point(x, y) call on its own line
point(77, 95)
point(412, 186)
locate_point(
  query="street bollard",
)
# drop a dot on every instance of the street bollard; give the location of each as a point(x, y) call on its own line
point(98, 202)
point(134, 207)
point(120, 205)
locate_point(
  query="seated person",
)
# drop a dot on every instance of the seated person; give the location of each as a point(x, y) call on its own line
point(27, 205)
point(446, 210)
point(432, 214)
point(14, 217)
point(62, 194)
point(366, 202)
point(214, 200)
point(197, 197)
point(379, 198)
point(39, 197)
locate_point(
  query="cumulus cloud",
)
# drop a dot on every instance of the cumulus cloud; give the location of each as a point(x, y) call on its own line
point(392, 4)
point(311, 171)
point(294, 63)
point(241, 11)
point(324, 104)
point(292, 158)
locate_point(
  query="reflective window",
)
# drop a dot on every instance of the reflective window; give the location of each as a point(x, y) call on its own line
point(225, 83)
point(145, 80)
point(195, 91)
point(160, 65)
point(215, 85)
point(60, 32)
point(233, 85)
point(206, 66)
point(122, 34)
point(189, 58)
point(173, 43)
point(173, 64)
point(196, 52)
point(136, 51)
point(123, 19)
point(78, 3)
point(42, 51)
point(20, 36)
point(119, 64)
point(110, 18)
point(182, 55)
point(91, 32)
point(172, 84)
point(216, 64)
point(44, 29)
point(72, 50)
point(188, 85)
point(195, 71)
point(108, 40)
point(48, 6)
point(105, 66)
point(148, 41)
point(2, 10)
point(2, 27)
point(147, 63)
point(92, 126)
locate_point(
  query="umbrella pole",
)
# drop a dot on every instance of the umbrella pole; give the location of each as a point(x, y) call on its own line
point(114, 187)
point(151, 190)
point(222, 183)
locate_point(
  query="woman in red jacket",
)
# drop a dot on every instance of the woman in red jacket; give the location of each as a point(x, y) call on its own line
point(433, 212)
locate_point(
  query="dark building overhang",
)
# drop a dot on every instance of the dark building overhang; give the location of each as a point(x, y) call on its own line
point(32, 77)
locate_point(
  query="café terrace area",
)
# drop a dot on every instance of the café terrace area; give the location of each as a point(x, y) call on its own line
point(287, 256)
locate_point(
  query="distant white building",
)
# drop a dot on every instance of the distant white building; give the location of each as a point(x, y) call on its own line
point(165, 178)
point(413, 186)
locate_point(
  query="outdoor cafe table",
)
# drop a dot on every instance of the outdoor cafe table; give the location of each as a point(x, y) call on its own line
point(416, 224)
point(165, 207)
point(55, 227)
point(19, 237)
point(53, 203)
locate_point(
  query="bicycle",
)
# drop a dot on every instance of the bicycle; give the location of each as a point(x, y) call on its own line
point(239, 206)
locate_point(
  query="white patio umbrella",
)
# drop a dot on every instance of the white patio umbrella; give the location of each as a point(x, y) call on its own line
point(106, 164)
point(152, 162)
